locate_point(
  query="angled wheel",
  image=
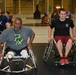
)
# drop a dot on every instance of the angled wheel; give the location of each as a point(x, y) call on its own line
point(48, 50)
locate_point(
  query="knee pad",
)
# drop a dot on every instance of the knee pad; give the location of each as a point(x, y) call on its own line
point(24, 54)
point(10, 54)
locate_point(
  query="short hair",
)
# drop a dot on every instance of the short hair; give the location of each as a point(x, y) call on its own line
point(18, 18)
point(61, 9)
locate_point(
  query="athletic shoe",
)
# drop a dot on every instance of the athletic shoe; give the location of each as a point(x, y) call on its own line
point(62, 62)
point(66, 60)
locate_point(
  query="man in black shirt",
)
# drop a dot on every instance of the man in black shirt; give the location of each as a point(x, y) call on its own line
point(62, 34)
point(3, 21)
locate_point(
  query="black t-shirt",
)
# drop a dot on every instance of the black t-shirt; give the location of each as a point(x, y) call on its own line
point(62, 28)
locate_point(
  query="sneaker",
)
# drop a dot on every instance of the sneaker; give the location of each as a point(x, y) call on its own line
point(62, 62)
point(66, 60)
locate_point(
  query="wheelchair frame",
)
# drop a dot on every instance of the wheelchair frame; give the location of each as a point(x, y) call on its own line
point(51, 49)
point(26, 69)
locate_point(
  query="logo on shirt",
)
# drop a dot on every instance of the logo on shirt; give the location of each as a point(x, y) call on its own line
point(18, 39)
point(67, 25)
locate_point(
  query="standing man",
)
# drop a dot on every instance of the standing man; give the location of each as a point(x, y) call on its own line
point(62, 34)
point(16, 38)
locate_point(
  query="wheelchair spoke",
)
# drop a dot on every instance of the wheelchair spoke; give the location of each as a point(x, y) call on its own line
point(48, 50)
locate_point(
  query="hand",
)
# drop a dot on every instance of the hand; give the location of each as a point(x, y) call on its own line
point(30, 46)
point(49, 39)
point(74, 38)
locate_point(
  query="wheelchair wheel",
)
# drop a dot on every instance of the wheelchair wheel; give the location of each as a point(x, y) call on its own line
point(48, 50)
point(73, 53)
point(3, 64)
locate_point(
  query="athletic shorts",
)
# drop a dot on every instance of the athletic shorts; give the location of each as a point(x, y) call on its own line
point(63, 39)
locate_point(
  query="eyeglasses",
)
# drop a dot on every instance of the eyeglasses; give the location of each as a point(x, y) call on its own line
point(17, 23)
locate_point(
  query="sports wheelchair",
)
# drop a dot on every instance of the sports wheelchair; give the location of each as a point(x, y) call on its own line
point(51, 53)
point(18, 64)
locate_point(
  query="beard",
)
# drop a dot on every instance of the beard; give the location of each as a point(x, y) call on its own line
point(17, 29)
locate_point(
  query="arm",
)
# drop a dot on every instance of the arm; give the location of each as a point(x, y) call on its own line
point(31, 40)
point(74, 32)
point(8, 25)
point(49, 33)
point(0, 50)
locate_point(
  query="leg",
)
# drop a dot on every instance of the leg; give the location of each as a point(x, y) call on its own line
point(68, 47)
point(68, 42)
point(59, 47)
point(59, 44)
point(10, 54)
point(29, 53)
point(24, 53)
